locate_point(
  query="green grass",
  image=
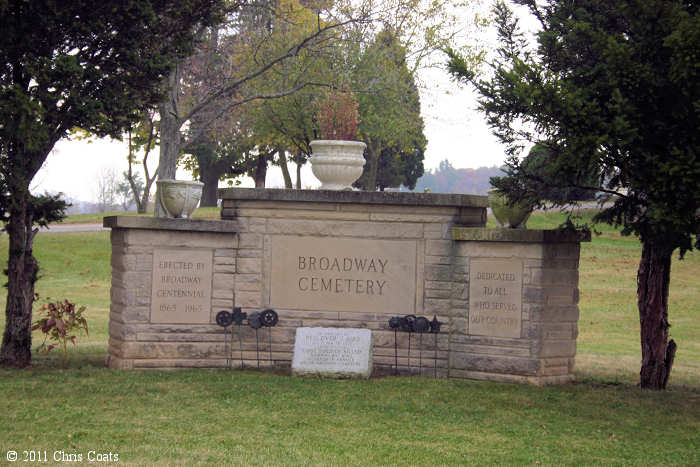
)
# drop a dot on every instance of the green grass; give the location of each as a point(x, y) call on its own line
point(232, 417)
point(244, 418)
point(96, 218)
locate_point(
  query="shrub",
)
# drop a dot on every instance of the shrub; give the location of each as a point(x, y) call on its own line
point(60, 320)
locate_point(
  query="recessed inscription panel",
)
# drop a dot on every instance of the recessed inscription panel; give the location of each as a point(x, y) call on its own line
point(495, 298)
point(343, 274)
point(181, 291)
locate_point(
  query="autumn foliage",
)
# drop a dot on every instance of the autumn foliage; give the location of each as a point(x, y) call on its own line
point(337, 116)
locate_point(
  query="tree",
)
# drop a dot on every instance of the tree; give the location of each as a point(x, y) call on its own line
point(253, 52)
point(129, 190)
point(391, 124)
point(83, 64)
point(107, 189)
point(614, 88)
point(142, 137)
point(271, 49)
point(537, 165)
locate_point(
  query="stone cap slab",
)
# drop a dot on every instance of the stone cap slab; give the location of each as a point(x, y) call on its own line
point(164, 223)
point(520, 235)
point(356, 197)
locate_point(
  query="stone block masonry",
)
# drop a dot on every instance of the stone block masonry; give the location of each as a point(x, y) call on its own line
point(346, 260)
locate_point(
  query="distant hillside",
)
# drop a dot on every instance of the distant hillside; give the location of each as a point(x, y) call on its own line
point(447, 179)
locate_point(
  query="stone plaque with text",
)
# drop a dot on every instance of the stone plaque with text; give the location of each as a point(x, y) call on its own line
point(495, 298)
point(181, 290)
point(334, 352)
point(343, 274)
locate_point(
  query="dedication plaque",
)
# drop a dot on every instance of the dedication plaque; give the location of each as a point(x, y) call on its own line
point(181, 291)
point(495, 298)
point(343, 274)
point(335, 352)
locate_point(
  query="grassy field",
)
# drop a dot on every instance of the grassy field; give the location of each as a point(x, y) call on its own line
point(96, 218)
point(245, 418)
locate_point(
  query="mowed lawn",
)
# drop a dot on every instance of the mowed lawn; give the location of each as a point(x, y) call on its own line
point(245, 418)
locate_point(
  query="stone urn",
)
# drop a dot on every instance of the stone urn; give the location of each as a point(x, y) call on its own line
point(179, 198)
point(510, 217)
point(337, 164)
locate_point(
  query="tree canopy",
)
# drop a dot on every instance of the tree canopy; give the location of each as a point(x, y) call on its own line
point(611, 88)
point(86, 64)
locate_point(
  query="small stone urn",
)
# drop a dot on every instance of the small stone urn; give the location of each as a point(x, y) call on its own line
point(336, 163)
point(510, 217)
point(179, 198)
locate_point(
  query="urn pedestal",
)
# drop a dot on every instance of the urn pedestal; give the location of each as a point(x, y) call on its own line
point(179, 198)
point(337, 164)
point(510, 217)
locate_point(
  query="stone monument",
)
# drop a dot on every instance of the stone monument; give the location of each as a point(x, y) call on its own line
point(350, 260)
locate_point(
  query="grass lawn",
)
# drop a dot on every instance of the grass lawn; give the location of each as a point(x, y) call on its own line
point(96, 218)
point(232, 417)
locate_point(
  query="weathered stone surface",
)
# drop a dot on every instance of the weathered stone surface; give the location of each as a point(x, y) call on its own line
point(245, 262)
point(495, 364)
point(495, 298)
point(358, 197)
point(519, 235)
point(250, 240)
point(270, 212)
point(344, 228)
point(249, 265)
point(333, 352)
point(182, 284)
point(162, 223)
point(348, 274)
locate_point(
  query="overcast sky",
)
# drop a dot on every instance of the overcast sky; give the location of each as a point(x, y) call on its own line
point(455, 131)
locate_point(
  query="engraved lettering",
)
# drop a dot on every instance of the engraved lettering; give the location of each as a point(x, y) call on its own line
point(495, 298)
point(342, 274)
point(181, 286)
point(380, 284)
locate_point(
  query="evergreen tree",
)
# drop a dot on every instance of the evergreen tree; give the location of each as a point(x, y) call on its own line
point(612, 88)
point(390, 120)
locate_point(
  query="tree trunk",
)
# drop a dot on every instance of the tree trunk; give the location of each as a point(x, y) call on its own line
point(261, 171)
point(170, 145)
point(372, 155)
point(653, 279)
point(282, 157)
point(142, 206)
point(210, 177)
point(22, 272)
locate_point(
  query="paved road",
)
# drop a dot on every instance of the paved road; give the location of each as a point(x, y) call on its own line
point(73, 228)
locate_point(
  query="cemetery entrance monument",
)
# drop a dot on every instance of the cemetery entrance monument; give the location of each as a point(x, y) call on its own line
point(386, 264)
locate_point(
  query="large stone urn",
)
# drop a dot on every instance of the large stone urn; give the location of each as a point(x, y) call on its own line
point(179, 198)
point(337, 164)
point(513, 217)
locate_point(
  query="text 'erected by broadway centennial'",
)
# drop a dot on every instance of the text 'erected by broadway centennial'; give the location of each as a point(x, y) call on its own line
point(495, 298)
point(181, 291)
point(335, 274)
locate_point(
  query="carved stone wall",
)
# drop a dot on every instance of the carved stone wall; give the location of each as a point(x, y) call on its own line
point(350, 260)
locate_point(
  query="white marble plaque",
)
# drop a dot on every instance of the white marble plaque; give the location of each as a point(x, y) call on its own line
point(495, 298)
point(343, 274)
point(181, 290)
point(333, 352)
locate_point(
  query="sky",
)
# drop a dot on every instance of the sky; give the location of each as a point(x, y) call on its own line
point(454, 129)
